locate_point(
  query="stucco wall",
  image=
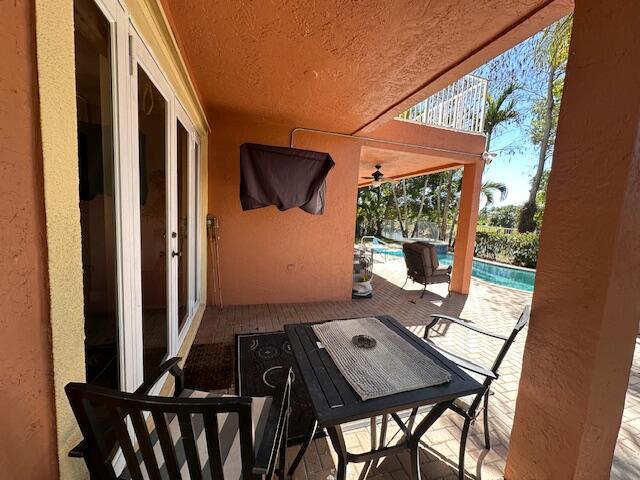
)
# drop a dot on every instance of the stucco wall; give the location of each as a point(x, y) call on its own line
point(27, 422)
point(419, 134)
point(268, 256)
point(586, 302)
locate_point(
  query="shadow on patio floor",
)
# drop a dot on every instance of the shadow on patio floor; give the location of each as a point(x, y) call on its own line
point(492, 307)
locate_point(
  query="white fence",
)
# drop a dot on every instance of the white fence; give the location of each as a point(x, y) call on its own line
point(491, 228)
point(427, 230)
point(431, 230)
point(460, 106)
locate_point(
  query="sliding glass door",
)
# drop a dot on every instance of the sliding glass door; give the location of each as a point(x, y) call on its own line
point(155, 234)
point(182, 230)
point(165, 146)
point(187, 164)
point(138, 173)
point(96, 160)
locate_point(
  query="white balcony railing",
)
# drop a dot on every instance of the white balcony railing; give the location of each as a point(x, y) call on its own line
point(460, 106)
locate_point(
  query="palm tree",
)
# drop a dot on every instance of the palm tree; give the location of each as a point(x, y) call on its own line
point(551, 54)
point(488, 191)
point(450, 190)
point(403, 229)
point(500, 110)
point(423, 197)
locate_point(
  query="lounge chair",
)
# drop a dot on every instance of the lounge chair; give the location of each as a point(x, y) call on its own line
point(423, 266)
point(195, 433)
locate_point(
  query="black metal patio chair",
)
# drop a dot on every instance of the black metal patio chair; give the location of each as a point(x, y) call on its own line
point(470, 410)
point(190, 435)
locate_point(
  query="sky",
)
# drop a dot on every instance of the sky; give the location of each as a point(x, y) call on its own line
point(513, 169)
point(517, 157)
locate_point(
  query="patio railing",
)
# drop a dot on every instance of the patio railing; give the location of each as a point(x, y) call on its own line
point(460, 106)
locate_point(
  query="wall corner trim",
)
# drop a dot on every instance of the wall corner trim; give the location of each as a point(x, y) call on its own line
point(56, 88)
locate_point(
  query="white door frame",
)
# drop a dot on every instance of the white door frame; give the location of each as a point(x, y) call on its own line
point(197, 222)
point(118, 19)
point(128, 50)
point(141, 56)
point(181, 115)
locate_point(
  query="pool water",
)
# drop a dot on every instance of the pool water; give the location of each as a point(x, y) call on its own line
point(497, 274)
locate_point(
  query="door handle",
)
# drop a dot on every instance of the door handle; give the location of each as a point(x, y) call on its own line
point(176, 254)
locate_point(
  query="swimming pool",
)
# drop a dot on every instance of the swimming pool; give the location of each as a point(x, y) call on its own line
point(496, 273)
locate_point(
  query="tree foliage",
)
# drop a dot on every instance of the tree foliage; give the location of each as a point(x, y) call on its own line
point(505, 216)
point(525, 88)
point(417, 199)
point(500, 110)
point(515, 248)
point(550, 58)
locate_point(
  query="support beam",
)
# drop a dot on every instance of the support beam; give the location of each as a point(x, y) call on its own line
point(467, 220)
point(586, 303)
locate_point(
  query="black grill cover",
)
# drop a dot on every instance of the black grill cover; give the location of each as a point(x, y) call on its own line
point(284, 177)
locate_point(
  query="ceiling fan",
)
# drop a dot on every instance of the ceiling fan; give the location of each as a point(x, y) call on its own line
point(378, 177)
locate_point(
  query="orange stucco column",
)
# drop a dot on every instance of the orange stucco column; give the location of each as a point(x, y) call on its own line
point(586, 303)
point(467, 220)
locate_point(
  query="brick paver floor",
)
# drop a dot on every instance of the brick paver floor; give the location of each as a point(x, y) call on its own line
point(489, 306)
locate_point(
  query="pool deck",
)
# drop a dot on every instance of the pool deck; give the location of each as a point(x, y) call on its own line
point(491, 307)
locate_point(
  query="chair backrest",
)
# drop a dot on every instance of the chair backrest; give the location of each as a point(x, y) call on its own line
point(520, 324)
point(179, 425)
point(524, 318)
point(413, 260)
point(421, 259)
point(433, 254)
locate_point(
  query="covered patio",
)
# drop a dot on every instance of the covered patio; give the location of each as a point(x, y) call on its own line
point(490, 306)
point(144, 232)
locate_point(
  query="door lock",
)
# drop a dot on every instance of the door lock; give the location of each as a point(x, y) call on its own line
point(176, 254)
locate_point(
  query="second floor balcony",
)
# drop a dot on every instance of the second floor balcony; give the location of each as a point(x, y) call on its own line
point(459, 106)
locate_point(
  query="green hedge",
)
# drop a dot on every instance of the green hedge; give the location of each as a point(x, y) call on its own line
point(516, 248)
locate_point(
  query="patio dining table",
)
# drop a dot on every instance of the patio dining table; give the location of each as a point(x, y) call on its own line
point(335, 402)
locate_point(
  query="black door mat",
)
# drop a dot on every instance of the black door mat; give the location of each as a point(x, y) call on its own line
point(262, 362)
point(209, 366)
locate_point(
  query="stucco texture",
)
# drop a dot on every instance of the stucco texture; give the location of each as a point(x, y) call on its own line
point(56, 82)
point(270, 256)
point(586, 302)
point(340, 65)
point(466, 232)
point(435, 149)
point(27, 422)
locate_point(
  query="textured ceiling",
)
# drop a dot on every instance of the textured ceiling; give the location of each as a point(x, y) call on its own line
point(329, 64)
point(398, 164)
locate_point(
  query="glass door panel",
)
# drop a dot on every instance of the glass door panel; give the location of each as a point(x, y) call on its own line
point(182, 177)
point(196, 231)
point(154, 250)
point(94, 77)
